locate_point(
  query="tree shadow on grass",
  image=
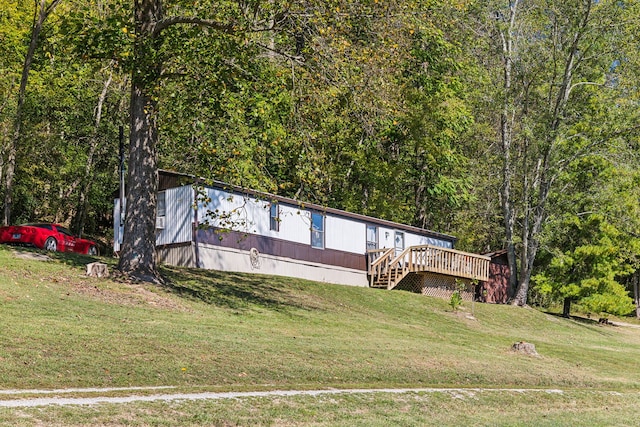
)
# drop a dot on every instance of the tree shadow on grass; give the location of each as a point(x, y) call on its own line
point(238, 291)
point(579, 319)
point(582, 321)
point(74, 260)
point(67, 258)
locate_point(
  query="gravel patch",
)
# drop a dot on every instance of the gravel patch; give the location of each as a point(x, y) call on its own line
point(33, 402)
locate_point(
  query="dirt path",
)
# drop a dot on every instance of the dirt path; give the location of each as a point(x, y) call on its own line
point(626, 325)
point(64, 401)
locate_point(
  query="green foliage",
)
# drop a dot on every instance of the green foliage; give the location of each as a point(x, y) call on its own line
point(102, 31)
point(456, 300)
point(381, 112)
point(588, 272)
point(383, 108)
point(456, 296)
point(59, 124)
point(544, 101)
point(591, 248)
point(235, 131)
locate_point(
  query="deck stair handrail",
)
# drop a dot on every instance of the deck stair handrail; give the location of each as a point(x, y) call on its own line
point(386, 269)
point(379, 262)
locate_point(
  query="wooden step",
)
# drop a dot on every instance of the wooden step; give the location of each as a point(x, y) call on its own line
point(388, 279)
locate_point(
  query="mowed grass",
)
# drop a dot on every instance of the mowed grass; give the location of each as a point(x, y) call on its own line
point(211, 331)
point(234, 331)
point(473, 408)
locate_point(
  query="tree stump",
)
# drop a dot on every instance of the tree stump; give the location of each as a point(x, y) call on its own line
point(525, 348)
point(97, 269)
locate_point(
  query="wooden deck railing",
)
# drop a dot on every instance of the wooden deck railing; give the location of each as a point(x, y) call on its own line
point(388, 268)
point(379, 261)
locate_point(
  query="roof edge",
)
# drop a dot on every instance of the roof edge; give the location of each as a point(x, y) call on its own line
point(304, 205)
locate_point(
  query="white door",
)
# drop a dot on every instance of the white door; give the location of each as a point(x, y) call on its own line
point(399, 242)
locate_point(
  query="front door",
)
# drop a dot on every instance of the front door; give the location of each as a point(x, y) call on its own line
point(399, 242)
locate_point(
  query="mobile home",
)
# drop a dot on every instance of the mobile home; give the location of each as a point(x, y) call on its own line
point(229, 228)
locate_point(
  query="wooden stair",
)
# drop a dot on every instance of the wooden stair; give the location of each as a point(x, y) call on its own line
point(388, 280)
point(386, 269)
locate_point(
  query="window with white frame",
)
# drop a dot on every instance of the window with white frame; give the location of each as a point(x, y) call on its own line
point(274, 217)
point(162, 209)
point(372, 237)
point(317, 230)
point(162, 203)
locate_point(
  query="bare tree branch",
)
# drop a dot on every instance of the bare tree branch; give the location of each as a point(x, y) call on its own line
point(229, 28)
point(299, 59)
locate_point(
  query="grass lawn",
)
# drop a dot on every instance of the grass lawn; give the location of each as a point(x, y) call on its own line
point(486, 408)
point(216, 331)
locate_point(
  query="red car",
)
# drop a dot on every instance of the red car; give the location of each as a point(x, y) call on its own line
point(51, 237)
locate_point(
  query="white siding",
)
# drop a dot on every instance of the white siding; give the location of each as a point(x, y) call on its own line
point(386, 238)
point(344, 234)
point(251, 215)
point(117, 230)
point(227, 210)
point(417, 240)
point(295, 224)
point(178, 226)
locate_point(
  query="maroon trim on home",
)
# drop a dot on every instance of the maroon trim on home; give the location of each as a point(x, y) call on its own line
point(168, 180)
point(174, 245)
point(280, 248)
point(496, 289)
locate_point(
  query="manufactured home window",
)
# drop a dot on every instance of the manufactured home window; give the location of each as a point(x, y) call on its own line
point(372, 237)
point(274, 217)
point(162, 209)
point(317, 230)
point(162, 203)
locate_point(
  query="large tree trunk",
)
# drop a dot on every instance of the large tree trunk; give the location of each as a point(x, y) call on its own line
point(138, 254)
point(11, 150)
point(541, 167)
point(506, 136)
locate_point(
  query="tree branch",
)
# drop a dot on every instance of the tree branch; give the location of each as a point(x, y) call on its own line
point(52, 6)
point(583, 84)
point(293, 58)
point(174, 20)
point(229, 28)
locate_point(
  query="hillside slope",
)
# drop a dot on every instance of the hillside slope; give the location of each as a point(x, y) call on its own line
point(237, 332)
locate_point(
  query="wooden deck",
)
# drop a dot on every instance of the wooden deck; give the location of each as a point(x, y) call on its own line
point(386, 269)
